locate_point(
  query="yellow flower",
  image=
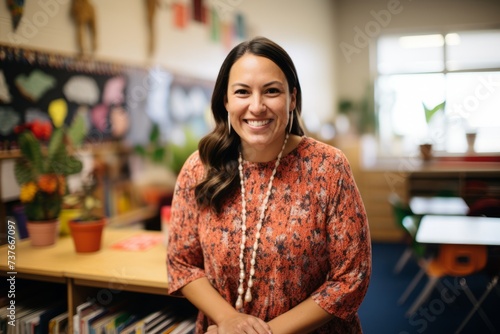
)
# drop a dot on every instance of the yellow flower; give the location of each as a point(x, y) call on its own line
point(28, 191)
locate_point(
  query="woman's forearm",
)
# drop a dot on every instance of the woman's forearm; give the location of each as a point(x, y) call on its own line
point(303, 318)
point(208, 300)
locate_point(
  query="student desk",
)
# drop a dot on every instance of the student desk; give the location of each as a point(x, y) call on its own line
point(438, 205)
point(452, 229)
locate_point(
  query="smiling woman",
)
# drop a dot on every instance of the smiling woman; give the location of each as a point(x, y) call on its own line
point(268, 232)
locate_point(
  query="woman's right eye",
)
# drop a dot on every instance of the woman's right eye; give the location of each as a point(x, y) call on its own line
point(241, 92)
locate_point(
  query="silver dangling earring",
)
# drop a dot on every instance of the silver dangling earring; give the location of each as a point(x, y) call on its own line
point(291, 122)
point(229, 123)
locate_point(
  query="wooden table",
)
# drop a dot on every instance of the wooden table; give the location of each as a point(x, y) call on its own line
point(457, 229)
point(438, 205)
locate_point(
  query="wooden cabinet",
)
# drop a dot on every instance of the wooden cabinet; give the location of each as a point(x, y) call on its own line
point(468, 184)
point(88, 276)
point(469, 181)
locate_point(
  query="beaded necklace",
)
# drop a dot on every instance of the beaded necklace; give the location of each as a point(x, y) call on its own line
point(248, 294)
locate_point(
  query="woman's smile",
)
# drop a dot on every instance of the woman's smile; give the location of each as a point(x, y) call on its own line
point(258, 123)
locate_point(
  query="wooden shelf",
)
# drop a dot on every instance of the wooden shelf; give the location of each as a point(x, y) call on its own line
point(142, 271)
point(11, 154)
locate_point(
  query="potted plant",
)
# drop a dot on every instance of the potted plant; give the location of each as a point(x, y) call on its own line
point(426, 145)
point(41, 172)
point(86, 229)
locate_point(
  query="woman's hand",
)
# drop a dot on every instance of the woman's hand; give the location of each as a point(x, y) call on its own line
point(240, 324)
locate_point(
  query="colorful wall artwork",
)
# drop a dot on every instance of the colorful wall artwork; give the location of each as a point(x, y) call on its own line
point(116, 101)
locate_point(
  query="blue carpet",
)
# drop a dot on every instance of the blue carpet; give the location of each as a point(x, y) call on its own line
point(380, 312)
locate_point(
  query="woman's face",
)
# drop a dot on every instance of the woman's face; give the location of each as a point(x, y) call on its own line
point(259, 103)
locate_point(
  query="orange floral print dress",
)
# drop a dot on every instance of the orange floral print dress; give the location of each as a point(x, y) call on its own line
point(314, 239)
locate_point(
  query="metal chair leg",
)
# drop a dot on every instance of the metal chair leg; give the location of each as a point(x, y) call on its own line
point(477, 304)
point(424, 295)
point(403, 259)
point(411, 286)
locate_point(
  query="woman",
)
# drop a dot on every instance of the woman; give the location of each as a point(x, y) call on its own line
point(268, 233)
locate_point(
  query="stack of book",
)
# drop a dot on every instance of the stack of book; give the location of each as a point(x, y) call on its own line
point(93, 319)
point(28, 318)
point(35, 316)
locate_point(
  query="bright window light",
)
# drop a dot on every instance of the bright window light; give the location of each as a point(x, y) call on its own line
point(452, 39)
point(422, 41)
point(459, 67)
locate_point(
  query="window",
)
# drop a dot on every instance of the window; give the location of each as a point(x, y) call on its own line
point(459, 67)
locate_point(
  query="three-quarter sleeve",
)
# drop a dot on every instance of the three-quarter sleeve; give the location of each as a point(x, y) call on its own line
point(184, 253)
point(349, 246)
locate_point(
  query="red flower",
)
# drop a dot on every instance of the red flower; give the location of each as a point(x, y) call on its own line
point(41, 130)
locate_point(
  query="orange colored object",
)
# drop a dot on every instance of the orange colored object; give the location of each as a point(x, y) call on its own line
point(47, 183)
point(87, 236)
point(458, 260)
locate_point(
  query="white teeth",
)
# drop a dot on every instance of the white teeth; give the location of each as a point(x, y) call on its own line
point(258, 123)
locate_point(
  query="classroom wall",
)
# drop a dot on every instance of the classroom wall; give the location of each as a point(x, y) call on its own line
point(122, 33)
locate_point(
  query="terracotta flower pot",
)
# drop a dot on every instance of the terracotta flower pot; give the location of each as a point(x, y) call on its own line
point(426, 152)
point(43, 233)
point(87, 236)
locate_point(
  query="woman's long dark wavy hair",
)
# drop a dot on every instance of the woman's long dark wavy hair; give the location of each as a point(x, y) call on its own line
point(219, 149)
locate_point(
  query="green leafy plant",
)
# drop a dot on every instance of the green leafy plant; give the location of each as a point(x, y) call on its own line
point(179, 153)
point(430, 112)
point(42, 169)
point(361, 113)
point(155, 150)
point(85, 200)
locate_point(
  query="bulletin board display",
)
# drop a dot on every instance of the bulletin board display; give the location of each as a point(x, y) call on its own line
point(118, 102)
point(37, 85)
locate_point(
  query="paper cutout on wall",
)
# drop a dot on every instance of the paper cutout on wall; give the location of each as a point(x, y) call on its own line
point(227, 35)
point(58, 109)
point(9, 118)
point(240, 26)
point(80, 125)
point(99, 117)
point(35, 114)
point(81, 89)
point(181, 15)
point(114, 91)
point(4, 90)
point(199, 14)
point(119, 122)
point(187, 104)
point(16, 9)
point(215, 25)
point(35, 85)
